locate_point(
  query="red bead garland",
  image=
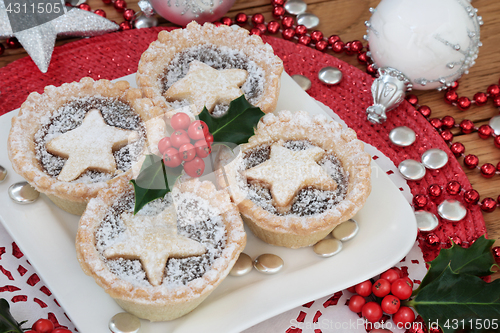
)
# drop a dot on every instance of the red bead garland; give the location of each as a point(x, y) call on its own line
point(419, 201)
point(488, 205)
point(488, 170)
point(453, 187)
point(471, 197)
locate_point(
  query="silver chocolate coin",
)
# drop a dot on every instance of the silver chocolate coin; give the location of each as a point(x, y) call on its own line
point(302, 81)
point(426, 221)
point(402, 136)
point(411, 170)
point(346, 230)
point(124, 322)
point(495, 124)
point(295, 7)
point(242, 266)
point(452, 210)
point(434, 159)
point(23, 193)
point(327, 247)
point(268, 263)
point(3, 173)
point(308, 20)
point(330, 75)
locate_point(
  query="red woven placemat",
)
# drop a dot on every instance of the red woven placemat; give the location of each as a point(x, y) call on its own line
point(117, 54)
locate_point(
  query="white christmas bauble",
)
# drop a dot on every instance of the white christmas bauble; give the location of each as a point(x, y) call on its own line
point(182, 12)
point(432, 42)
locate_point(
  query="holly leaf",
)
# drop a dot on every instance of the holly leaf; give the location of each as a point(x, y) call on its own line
point(7, 323)
point(476, 260)
point(237, 125)
point(465, 298)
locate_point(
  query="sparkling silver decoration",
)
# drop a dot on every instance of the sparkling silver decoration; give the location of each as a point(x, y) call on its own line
point(346, 230)
point(124, 322)
point(308, 20)
point(39, 41)
point(452, 210)
point(146, 8)
point(426, 221)
point(268, 263)
point(402, 136)
point(75, 2)
point(411, 170)
point(3, 173)
point(330, 75)
point(242, 266)
point(295, 7)
point(23, 193)
point(144, 21)
point(434, 159)
point(302, 81)
point(495, 124)
point(388, 91)
point(327, 247)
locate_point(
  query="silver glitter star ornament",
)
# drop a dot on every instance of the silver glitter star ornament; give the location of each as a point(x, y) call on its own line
point(39, 41)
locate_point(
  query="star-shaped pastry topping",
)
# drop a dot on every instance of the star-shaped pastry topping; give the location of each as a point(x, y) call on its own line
point(152, 240)
point(89, 146)
point(207, 86)
point(287, 171)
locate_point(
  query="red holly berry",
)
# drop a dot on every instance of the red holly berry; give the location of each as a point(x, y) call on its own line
point(390, 304)
point(197, 130)
point(179, 138)
point(202, 148)
point(187, 152)
point(390, 275)
point(401, 289)
point(180, 121)
point(195, 167)
point(171, 158)
point(364, 288)
point(209, 138)
point(381, 288)
point(372, 312)
point(43, 326)
point(356, 303)
point(164, 144)
point(61, 330)
point(403, 316)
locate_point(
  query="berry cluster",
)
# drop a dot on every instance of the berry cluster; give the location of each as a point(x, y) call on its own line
point(46, 326)
point(385, 296)
point(189, 144)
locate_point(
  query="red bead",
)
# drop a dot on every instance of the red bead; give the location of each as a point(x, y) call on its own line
point(451, 96)
point(288, 33)
point(471, 161)
point(255, 31)
point(338, 46)
point(448, 122)
point(278, 12)
point(496, 101)
point(456, 240)
point(128, 14)
point(488, 170)
point(217, 24)
point(347, 48)
point(2, 49)
point(370, 69)
point(321, 45)
point(226, 21)
point(484, 131)
point(419, 201)
point(496, 253)
point(434, 190)
point(488, 205)
point(457, 149)
point(316, 35)
point(120, 5)
point(84, 6)
point(463, 103)
point(262, 27)
point(305, 40)
point(447, 135)
point(356, 46)
point(425, 111)
point(107, 2)
point(493, 90)
point(125, 26)
point(273, 27)
point(436, 123)
point(412, 99)
point(498, 166)
point(454, 85)
point(471, 197)
point(497, 141)
point(100, 12)
point(453, 187)
point(362, 58)
point(257, 18)
point(278, 2)
point(241, 18)
point(195, 167)
point(332, 39)
point(300, 30)
point(287, 22)
point(480, 98)
point(466, 126)
point(432, 241)
point(12, 43)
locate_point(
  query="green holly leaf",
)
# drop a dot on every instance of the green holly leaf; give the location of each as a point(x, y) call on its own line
point(476, 260)
point(7, 323)
point(461, 299)
point(237, 125)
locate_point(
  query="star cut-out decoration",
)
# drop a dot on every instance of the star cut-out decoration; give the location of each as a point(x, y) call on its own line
point(152, 240)
point(39, 41)
point(286, 172)
point(89, 146)
point(205, 86)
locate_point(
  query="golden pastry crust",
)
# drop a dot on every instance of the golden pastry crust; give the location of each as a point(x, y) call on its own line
point(159, 303)
point(25, 125)
point(293, 230)
point(161, 52)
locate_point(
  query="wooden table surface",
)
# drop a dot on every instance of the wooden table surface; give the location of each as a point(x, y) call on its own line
point(346, 18)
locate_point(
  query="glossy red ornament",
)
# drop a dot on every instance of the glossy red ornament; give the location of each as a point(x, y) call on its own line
point(488, 205)
point(257, 18)
point(432, 240)
point(338, 46)
point(300, 30)
point(425, 111)
point(332, 39)
point(100, 12)
point(419, 201)
point(448, 122)
point(262, 27)
point(484, 131)
point(434, 191)
point(255, 31)
point(305, 40)
point(195, 167)
point(471, 161)
point(288, 33)
point(412, 99)
point(278, 2)
point(347, 48)
point(217, 24)
point(12, 43)
point(496, 101)
point(488, 170)
point(197, 130)
point(241, 18)
point(471, 196)
point(321, 45)
point(84, 6)
point(316, 35)
point(436, 123)
point(209, 138)
point(370, 69)
point(363, 58)
point(447, 135)
point(496, 253)
point(120, 5)
point(226, 21)
point(451, 97)
point(463, 103)
point(287, 22)
point(454, 85)
point(493, 90)
point(480, 98)
point(273, 27)
point(453, 187)
point(457, 149)
point(466, 126)
point(356, 46)
point(278, 12)
point(125, 26)
point(497, 141)
point(128, 14)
